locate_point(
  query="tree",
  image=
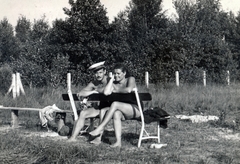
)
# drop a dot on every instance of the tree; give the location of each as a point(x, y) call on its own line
point(146, 25)
point(201, 29)
point(118, 37)
point(8, 44)
point(23, 29)
point(33, 61)
point(84, 35)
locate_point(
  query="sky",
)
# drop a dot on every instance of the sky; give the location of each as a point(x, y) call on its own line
point(52, 9)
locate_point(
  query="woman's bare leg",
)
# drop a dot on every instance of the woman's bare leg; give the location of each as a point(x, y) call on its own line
point(117, 123)
point(126, 109)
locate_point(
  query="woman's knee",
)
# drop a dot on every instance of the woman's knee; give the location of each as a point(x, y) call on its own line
point(116, 104)
point(117, 115)
point(83, 114)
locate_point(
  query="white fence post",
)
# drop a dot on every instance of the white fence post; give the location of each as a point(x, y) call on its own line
point(14, 88)
point(177, 78)
point(14, 113)
point(228, 78)
point(19, 84)
point(204, 78)
point(69, 81)
point(146, 79)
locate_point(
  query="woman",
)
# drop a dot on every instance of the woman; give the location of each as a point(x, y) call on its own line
point(119, 83)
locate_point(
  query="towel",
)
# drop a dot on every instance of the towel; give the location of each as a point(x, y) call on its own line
point(46, 114)
point(156, 114)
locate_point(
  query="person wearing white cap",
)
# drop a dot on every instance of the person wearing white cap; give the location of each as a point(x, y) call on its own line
point(96, 86)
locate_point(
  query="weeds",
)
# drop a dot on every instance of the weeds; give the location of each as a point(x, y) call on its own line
point(187, 142)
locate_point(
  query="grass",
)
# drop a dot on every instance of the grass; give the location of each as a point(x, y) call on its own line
point(211, 142)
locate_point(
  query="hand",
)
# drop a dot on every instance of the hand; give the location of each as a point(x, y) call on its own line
point(113, 78)
point(79, 96)
point(95, 91)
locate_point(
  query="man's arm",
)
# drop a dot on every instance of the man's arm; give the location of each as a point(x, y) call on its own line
point(109, 87)
point(88, 90)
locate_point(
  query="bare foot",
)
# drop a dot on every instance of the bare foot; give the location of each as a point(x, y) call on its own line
point(71, 140)
point(95, 132)
point(96, 141)
point(116, 145)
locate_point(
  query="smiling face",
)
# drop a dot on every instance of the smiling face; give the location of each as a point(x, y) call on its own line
point(119, 74)
point(99, 74)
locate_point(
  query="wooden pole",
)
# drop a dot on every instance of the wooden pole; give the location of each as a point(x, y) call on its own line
point(17, 76)
point(14, 88)
point(147, 79)
point(177, 78)
point(228, 78)
point(19, 84)
point(14, 113)
point(32, 109)
point(71, 97)
point(69, 81)
point(204, 79)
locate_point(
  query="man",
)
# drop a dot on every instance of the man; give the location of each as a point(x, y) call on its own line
point(96, 86)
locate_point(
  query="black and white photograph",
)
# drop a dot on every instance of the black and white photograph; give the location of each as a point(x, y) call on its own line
point(119, 82)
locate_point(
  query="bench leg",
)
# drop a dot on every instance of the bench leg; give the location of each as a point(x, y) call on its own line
point(141, 134)
point(14, 114)
point(60, 120)
point(158, 132)
point(91, 125)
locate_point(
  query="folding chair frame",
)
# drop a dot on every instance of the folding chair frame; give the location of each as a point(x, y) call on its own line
point(143, 133)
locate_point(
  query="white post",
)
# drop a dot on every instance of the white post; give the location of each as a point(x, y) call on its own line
point(204, 78)
point(71, 97)
point(19, 84)
point(14, 88)
point(177, 78)
point(228, 78)
point(69, 81)
point(14, 113)
point(146, 79)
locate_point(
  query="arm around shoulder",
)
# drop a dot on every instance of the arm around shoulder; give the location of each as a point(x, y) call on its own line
point(88, 90)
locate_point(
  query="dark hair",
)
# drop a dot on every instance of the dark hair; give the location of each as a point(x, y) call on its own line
point(122, 67)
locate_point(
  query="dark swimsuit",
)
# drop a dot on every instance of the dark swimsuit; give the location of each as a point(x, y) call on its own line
point(134, 106)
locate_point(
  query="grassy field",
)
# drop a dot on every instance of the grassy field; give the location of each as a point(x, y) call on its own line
point(187, 142)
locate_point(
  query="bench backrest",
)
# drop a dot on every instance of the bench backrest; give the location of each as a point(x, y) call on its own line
point(112, 97)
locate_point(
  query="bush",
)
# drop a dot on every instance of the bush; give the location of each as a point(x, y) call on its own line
point(5, 78)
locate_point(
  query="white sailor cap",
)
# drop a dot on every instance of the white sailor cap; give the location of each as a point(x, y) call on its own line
point(97, 66)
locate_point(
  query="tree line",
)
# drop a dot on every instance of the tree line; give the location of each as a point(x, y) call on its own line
point(202, 37)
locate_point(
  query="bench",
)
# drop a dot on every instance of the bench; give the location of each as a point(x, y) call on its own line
point(15, 110)
point(102, 97)
point(134, 96)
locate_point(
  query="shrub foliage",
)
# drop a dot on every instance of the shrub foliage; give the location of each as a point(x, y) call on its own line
point(201, 37)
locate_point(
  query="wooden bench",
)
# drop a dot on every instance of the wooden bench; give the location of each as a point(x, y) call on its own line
point(112, 97)
point(134, 96)
point(102, 97)
point(15, 110)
